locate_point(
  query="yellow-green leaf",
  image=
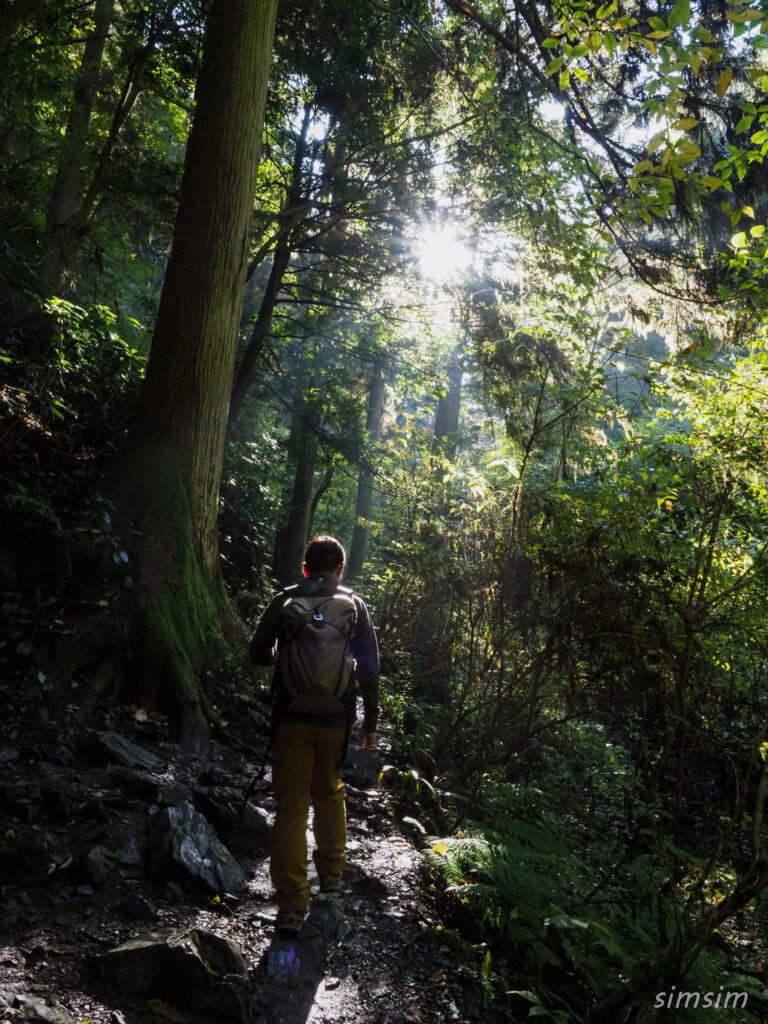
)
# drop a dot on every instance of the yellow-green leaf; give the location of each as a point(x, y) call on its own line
point(757, 230)
point(690, 150)
point(656, 142)
point(686, 123)
point(739, 240)
point(486, 966)
point(723, 82)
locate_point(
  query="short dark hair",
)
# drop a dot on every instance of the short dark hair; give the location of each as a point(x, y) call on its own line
point(324, 554)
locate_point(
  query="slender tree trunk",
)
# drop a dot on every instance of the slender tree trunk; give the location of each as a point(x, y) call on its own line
point(292, 212)
point(246, 372)
point(167, 478)
point(60, 235)
point(359, 546)
point(128, 97)
point(448, 409)
point(291, 541)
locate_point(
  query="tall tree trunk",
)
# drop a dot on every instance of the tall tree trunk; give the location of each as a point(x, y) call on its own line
point(292, 539)
point(167, 479)
point(359, 546)
point(448, 409)
point(60, 235)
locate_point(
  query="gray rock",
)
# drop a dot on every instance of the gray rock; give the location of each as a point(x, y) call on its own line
point(194, 969)
point(121, 750)
point(129, 851)
point(184, 845)
point(7, 996)
point(244, 834)
point(97, 865)
point(135, 783)
point(36, 1010)
point(415, 826)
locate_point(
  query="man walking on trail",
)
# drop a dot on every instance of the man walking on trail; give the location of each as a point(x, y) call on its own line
point(320, 637)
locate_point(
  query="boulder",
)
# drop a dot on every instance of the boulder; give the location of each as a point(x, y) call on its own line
point(245, 834)
point(37, 1011)
point(184, 845)
point(135, 783)
point(119, 749)
point(193, 969)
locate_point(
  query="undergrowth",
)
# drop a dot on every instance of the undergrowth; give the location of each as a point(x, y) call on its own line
point(570, 904)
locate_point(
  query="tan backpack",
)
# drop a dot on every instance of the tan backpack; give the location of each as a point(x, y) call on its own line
point(316, 660)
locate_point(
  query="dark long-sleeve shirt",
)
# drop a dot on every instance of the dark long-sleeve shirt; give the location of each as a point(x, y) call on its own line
point(269, 637)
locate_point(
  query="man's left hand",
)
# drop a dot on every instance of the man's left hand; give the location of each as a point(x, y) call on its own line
point(366, 740)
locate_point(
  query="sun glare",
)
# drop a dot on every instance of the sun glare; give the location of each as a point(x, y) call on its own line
point(442, 255)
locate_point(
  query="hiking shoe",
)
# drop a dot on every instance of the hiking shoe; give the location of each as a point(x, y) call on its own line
point(288, 924)
point(330, 884)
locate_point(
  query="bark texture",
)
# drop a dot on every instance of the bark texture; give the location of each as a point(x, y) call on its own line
point(448, 409)
point(291, 541)
point(61, 229)
point(167, 480)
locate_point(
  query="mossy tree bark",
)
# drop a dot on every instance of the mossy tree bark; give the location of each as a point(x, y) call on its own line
point(167, 479)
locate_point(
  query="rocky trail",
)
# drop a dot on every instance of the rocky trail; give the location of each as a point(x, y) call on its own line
point(131, 892)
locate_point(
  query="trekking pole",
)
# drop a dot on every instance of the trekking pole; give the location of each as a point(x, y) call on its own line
point(259, 774)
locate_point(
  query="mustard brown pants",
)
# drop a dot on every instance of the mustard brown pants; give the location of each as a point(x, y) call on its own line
point(305, 764)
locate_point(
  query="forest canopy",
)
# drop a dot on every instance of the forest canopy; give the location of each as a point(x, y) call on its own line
point(479, 288)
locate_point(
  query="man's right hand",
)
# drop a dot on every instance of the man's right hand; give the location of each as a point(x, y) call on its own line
point(366, 740)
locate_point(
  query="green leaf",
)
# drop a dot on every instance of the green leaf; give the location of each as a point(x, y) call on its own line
point(550, 44)
point(607, 9)
point(656, 142)
point(686, 123)
point(744, 123)
point(554, 65)
point(680, 14)
point(565, 79)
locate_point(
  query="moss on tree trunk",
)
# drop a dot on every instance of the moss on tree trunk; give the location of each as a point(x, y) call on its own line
point(167, 479)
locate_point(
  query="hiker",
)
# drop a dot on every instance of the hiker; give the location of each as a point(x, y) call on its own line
point(319, 636)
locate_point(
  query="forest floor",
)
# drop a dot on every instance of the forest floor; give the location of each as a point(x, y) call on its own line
point(377, 952)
